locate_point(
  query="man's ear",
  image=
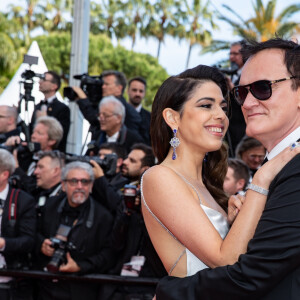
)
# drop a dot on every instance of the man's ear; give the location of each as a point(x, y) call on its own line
point(240, 184)
point(171, 117)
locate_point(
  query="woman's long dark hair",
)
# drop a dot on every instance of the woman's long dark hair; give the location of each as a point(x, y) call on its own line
point(173, 93)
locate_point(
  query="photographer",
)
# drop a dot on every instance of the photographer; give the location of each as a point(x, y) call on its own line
point(17, 231)
point(8, 122)
point(114, 84)
point(74, 236)
point(136, 255)
point(46, 136)
point(106, 189)
point(51, 106)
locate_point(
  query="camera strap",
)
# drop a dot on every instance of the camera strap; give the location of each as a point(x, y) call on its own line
point(13, 200)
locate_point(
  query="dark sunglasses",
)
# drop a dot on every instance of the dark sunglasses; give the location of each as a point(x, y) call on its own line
point(75, 181)
point(261, 89)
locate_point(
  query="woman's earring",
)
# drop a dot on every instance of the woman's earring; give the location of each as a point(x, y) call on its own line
point(205, 157)
point(174, 142)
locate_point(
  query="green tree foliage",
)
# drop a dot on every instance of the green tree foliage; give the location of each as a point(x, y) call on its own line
point(103, 55)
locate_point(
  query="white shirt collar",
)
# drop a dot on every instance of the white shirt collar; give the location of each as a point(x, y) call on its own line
point(292, 137)
point(113, 138)
point(139, 108)
point(4, 193)
point(50, 99)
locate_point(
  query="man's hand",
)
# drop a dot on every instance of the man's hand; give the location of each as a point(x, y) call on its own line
point(46, 248)
point(98, 171)
point(13, 141)
point(235, 204)
point(2, 243)
point(40, 113)
point(80, 93)
point(71, 265)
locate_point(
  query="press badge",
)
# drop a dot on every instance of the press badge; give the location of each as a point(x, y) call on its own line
point(133, 267)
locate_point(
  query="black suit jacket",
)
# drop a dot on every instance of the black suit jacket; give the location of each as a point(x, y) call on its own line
point(271, 267)
point(59, 111)
point(145, 126)
point(20, 238)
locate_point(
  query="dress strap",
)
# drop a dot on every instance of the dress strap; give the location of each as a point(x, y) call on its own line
point(186, 181)
point(153, 215)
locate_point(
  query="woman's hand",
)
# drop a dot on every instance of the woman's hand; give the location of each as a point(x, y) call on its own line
point(270, 169)
point(235, 203)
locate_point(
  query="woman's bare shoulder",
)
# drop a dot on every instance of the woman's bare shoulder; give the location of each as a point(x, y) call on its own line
point(159, 173)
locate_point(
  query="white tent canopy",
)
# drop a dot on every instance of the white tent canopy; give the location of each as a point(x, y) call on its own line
point(11, 95)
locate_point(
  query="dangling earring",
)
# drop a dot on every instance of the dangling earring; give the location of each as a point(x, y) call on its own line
point(205, 157)
point(174, 142)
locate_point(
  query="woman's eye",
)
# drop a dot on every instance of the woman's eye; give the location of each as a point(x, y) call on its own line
point(206, 105)
point(225, 108)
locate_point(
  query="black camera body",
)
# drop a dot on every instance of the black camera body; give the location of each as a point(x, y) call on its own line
point(30, 147)
point(130, 193)
point(108, 163)
point(61, 245)
point(91, 85)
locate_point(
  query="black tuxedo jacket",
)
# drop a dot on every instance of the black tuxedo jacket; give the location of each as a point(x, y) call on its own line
point(59, 111)
point(271, 267)
point(20, 238)
point(145, 126)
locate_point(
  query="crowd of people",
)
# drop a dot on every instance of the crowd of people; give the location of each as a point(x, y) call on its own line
point(169, 192)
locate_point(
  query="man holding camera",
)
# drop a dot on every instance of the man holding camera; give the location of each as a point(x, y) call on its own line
point(51, 106)
point(73, 237)
point(136, 255)
point(17, 230)
point(114, 84)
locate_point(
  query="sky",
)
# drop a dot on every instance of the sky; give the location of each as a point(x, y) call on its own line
point(174, 53)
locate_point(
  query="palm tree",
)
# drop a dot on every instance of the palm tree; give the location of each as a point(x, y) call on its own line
point(161, 20)
point(198, 18)
point(262, 26)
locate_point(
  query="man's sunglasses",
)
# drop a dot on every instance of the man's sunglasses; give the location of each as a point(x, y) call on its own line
point(261, 90)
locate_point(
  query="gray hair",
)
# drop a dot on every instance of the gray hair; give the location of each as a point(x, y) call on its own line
point(119, 108)
point(77, 165)
point(7, 161)
point(55, 130)
point(11, 111)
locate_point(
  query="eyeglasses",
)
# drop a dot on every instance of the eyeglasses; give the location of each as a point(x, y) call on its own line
point(44, 79)
point(261, 90)
point(75, 181)
point(104, 116)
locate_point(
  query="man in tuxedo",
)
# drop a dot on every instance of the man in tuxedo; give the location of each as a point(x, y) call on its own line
point(237, 125)
point(113, 130)
point(17, 230)
point(136, 93)
point(270, 269)
point(51, 106)
point(114, 84)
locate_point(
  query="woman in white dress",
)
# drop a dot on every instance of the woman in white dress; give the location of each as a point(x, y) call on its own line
point(184, 205)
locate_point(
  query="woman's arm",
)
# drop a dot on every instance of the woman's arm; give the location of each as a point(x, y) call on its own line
point(177, 206)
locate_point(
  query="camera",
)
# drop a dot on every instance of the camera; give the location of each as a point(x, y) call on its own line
point(28, 76)
point(30, 147)
point(91, 85)
point(229, 71)
point(108, 163)
point(62, 246)
point(130, 193)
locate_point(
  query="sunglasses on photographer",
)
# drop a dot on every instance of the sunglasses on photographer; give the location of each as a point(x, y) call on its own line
point(261, 90)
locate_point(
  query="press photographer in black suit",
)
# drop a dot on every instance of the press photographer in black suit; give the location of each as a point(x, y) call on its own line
point(51, 106)
point(83, 226)
point(17, 230)
point(114, 84)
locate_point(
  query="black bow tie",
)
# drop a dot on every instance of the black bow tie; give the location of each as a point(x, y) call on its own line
point(44, 102)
